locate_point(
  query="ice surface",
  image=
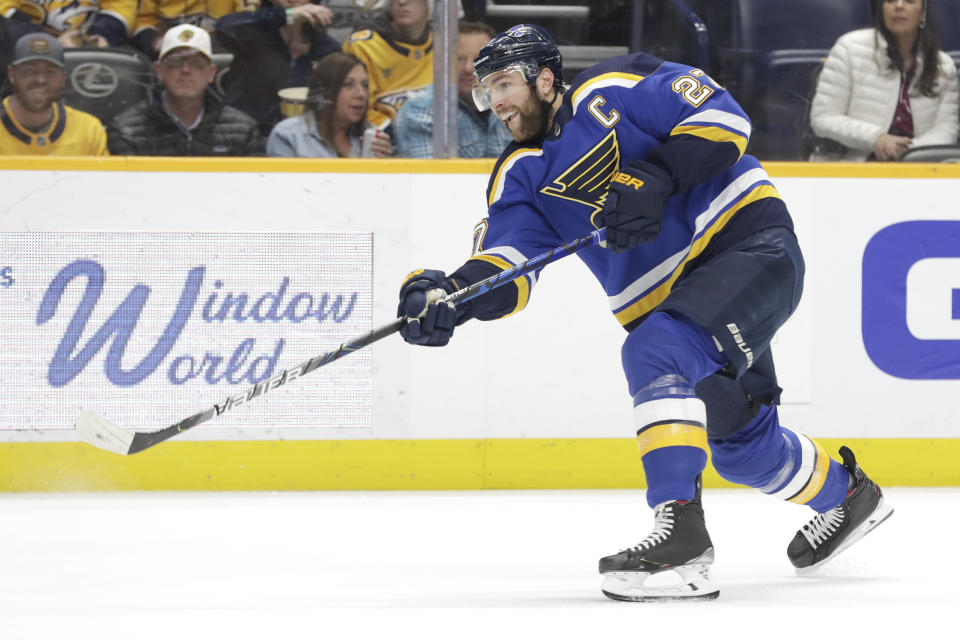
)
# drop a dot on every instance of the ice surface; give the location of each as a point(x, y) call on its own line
point(423, 565)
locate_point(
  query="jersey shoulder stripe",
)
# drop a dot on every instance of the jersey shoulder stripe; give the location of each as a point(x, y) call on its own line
point(505, 162)
point(630, 65)
point(622, 71)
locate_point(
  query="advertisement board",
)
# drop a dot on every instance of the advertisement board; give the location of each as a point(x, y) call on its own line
point(536, 400)
point(146, 328)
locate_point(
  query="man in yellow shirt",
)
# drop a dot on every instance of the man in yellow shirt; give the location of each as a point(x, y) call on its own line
point(397, 49)
point(33, 121)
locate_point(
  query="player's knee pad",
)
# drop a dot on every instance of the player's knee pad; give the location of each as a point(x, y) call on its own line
point(728, 407)
point(732, 404)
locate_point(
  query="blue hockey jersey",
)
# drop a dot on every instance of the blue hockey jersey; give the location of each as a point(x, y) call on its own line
point(629, 108)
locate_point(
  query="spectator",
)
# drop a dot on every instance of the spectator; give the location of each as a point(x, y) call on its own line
point(887, 88)
point(335, 118)
point(480, 134)
point(396, 46)
point(35, 121)
point(155, 17)
point(273, 48)
point(184, 117)
point(78, 23)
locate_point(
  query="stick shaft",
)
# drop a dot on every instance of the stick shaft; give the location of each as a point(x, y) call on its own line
point(143, 440)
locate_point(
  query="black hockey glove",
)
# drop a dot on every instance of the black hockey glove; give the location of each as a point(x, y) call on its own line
point(431, 322)
point(633, 210)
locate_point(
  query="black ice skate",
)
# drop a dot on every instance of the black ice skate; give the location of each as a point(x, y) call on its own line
point(824, 537)
point(671, 563)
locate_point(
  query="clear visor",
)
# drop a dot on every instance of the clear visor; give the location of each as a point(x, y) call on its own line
point(500, 85)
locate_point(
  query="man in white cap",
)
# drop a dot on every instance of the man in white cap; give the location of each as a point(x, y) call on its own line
point(33, 120)
point(184, 118)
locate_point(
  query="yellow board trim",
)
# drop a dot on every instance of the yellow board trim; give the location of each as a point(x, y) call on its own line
point(246, 165)
point(817, 478)
point(716, 134)
point(652, 300)
point(671, 435)
point(469, 464)
point(523, 284)
point(885, 170)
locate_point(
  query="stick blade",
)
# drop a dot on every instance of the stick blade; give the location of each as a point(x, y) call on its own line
point(102, 433)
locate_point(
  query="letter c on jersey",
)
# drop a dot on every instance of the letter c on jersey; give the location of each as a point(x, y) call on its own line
point(911, 300)
point(606, 120)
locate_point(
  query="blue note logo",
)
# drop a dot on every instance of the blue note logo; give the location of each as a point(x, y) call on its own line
point(911, 300)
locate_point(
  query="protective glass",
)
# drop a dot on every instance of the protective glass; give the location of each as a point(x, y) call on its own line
point(501, 85)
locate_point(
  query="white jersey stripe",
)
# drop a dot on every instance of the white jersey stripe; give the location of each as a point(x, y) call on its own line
point(514, 257)
point(670, 409)
point(715, 116)
point(808, 461)
point(734, 191)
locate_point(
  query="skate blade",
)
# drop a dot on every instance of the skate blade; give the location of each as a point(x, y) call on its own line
point(690, 582)
point(879, 515)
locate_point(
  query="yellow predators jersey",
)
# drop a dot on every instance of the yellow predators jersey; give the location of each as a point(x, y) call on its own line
point(396, 70)
point(70, 133)
point(58, 16)
point(201, 13)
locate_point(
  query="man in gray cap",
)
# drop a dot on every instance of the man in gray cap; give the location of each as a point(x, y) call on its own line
point(33, 121)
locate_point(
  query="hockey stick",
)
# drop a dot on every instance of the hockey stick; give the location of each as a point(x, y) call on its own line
point(106, 435)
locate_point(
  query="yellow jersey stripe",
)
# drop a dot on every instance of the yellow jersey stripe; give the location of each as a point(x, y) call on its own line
point(411, 276)
point(817, 478)
point(496, 188)
point(612, 79)
point(671, 435)
point(716, 134)
point(652, 300)
point(523, 285)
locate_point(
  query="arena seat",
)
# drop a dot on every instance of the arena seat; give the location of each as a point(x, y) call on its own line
point(948, 26)
point(223, 60)
point(933, 153)
point(674, 31)
point(105, 82)
point(768, 58)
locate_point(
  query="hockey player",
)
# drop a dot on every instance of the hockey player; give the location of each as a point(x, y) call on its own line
point(701, 266)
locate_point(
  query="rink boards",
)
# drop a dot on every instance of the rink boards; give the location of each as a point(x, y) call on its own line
point(308, 254)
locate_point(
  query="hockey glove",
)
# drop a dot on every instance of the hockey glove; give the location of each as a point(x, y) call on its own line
point(633, 210)
point(431, 322)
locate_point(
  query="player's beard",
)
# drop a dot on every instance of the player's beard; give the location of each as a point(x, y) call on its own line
point(534, 118)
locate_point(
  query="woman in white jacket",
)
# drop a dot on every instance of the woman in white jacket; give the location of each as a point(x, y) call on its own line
point(889, 88)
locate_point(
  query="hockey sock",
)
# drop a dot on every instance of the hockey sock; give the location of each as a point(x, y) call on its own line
point(781, 463)
point(663, 357)
point(672, 438)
